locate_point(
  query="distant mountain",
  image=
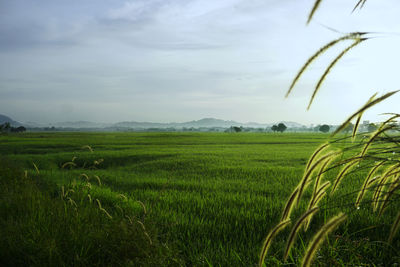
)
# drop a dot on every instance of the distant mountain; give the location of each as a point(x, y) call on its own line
point(206, 123)
point(210, 122)
point(202, 123)
point(4, 119)
point(80, 124)
point(146, 125)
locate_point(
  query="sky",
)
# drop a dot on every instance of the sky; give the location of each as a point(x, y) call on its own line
point(182, 60)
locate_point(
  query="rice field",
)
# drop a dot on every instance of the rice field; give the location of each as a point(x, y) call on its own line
point(213, 197)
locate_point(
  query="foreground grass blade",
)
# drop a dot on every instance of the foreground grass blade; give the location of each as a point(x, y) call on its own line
point(269, 239)
point(328, 69)
point(308, 173)
point(320, 191)
point(314, 155)
point(296, 228)
point(289, 205)
point(350, 36)
point(320, 237)
point(355, 128)
point(367, 182)
point(359, 4)
point(343, 172)
point(362, 109)
point(320, 175)
point(381, 130)
point(313, 10)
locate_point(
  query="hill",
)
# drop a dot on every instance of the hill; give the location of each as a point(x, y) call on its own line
point(4, 119)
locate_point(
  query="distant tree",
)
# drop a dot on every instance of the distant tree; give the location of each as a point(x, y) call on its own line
point(281, 127)
point(324, 128)
point(236, 129)
point(274, 128)
point(5, 127)
point(349, 128)
point(372, 127)
point(21, 129)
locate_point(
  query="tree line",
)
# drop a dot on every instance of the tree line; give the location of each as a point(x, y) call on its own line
point(7, 128)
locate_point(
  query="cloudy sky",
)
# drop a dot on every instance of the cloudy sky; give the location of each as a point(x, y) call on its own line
point(181, 60)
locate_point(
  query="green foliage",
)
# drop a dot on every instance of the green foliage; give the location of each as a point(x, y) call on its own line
point(6, 127)
point(236, 129)
point(324, 128)
point(372, 127)
point(281, 127)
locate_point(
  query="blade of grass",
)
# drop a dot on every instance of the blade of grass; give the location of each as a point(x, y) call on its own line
point(333, 63)
point(350, 36)
point(362, 109)
point(319, 237)
point(269, 239)
point(295, 229)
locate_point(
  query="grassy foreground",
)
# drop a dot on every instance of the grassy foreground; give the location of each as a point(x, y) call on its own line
point(209, 199)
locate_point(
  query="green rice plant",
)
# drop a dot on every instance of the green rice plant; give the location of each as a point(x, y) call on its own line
point(209, 195)
point(72, 164)
point(47, 230)
point(394, 229)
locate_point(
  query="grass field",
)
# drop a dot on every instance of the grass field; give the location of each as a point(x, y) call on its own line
point(212, 197)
